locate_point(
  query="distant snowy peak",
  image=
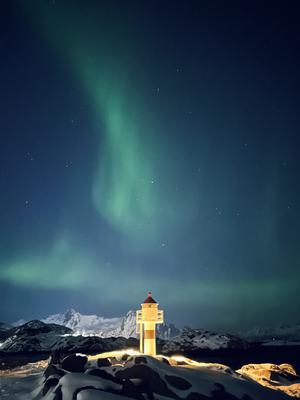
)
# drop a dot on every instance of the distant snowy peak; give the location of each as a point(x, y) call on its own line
point(86, 324)
point(4, 326)
point(4, 329)
point(36, 327)
point(105, 327)
point(19, 322)
point(274, 334)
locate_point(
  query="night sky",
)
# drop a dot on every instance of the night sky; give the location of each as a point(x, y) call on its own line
point(150, 145)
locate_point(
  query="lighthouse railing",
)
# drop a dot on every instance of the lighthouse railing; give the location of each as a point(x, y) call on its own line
point(160, 316)
point(139, 316)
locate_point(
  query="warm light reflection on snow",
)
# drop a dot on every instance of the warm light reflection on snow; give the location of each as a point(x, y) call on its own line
point(28, 369)
point(184, 360)
point(173, 360)
point(260, 373)
point(115, 353)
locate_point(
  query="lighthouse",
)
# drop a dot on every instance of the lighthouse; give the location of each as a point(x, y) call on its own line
point(146, 320)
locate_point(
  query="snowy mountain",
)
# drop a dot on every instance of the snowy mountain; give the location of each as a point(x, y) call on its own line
point(32, 336)
point(84, 324)
point(284, 334)
point(4, 326)
point(19, 322)
point(87, 325)
point(72, 331)
point(36, 336)
point(191, 340)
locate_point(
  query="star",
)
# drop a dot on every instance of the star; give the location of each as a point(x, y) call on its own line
point(29, 156)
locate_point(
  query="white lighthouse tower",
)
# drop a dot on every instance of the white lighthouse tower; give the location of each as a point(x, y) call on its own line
point(146, 320)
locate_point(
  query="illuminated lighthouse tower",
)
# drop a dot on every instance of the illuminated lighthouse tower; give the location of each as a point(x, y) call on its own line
point(146, 319)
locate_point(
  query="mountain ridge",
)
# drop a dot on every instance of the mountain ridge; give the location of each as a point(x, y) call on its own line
point(94, 325)
point(281, 334)
point(38, 336)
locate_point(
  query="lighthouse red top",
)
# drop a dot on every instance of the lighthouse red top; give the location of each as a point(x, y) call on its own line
point(149, 299)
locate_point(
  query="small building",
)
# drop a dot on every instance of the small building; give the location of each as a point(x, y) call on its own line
point(146, 320)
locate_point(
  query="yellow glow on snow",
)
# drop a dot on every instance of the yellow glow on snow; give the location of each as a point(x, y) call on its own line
point(173, 360)
point(115, 353)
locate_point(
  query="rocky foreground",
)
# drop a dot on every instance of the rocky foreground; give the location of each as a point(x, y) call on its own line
point(128, 374)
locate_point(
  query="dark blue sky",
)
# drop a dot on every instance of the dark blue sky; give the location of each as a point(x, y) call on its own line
point(150, 146)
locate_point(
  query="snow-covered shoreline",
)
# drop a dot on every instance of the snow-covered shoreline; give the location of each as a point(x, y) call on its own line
point(121, 374)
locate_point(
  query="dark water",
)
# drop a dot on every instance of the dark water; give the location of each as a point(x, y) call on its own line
point(16, 360)
point(232, 358)
point(264, 354)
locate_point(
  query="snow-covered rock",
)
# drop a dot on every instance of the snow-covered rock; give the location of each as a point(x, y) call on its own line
point(118, 375)
point(191, 340)
point(280, 377)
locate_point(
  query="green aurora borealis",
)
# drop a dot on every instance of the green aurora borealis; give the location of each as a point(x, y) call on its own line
point(199, 196)
point(132, 185)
